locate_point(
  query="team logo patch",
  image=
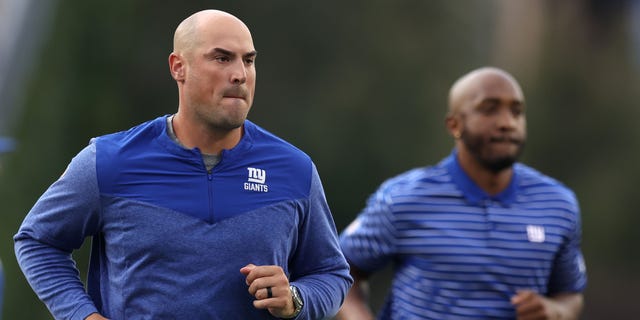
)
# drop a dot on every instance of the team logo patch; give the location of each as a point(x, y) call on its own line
point(256, 180)
point(535, 233)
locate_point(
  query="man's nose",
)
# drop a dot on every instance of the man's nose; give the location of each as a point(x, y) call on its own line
point(238, 73)
point(506, 120)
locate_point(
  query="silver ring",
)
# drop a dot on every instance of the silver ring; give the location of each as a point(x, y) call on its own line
point(269, 293)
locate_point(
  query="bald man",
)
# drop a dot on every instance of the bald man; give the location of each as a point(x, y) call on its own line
point(478, 235)
point(197, 215)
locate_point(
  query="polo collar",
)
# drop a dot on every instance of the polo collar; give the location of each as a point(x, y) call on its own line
point(471, 191)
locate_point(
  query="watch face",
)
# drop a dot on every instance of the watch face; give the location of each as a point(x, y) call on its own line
point(297, 300)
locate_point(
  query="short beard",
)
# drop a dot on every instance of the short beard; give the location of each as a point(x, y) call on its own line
point(227, 125)
point(497, 165)
point(494, 164)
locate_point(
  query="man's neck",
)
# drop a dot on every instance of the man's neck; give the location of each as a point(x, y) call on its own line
point(208, 141)
point(490, 181)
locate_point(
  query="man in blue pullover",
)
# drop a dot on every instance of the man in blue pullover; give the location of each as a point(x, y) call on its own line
point(197, 215)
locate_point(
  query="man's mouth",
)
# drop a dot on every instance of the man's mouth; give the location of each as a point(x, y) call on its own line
point(510, 140)
point(236, 93)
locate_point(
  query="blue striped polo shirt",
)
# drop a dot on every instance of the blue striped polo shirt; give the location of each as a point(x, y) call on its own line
point(460, 253)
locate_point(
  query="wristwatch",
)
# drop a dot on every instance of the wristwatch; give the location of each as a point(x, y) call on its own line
point(297, 302)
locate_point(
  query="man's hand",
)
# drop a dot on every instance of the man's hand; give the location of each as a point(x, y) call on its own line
point(95, 316)
point(356, 304)
point(531, 305)
point(259, 279)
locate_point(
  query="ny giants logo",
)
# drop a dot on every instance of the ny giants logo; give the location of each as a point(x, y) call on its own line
point(256, 180)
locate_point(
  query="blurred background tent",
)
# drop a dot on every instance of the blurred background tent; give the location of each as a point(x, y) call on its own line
point(359, 85)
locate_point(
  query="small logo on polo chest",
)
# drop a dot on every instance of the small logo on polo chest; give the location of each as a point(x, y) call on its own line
point(256, 180)
point(535, 233)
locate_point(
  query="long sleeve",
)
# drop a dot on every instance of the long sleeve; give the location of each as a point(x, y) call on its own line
point(56, 225)
point(319, 269)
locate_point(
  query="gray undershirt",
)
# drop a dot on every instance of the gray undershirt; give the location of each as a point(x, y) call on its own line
point(210, 160)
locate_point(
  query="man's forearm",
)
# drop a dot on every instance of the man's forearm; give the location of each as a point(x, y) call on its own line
point(53, 276)
point(569, 305)
point(356, 304)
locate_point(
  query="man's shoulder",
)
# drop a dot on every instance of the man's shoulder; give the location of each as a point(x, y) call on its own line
point(532, 178)
point(534, 175)
point(115, 149)
point(145, 130)
point(263, 139)
point(431, 177)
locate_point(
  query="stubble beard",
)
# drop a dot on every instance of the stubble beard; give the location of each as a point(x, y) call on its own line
point(223, 119)
point(221, 122)
point(480, 150)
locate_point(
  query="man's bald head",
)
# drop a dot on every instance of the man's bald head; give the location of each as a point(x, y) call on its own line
point(187, 35)
point(475, 83)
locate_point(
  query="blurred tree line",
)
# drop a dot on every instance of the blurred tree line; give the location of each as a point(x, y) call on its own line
point(361, 86)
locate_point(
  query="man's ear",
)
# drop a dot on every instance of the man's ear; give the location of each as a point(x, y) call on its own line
point(453, 125)
point(176, 66)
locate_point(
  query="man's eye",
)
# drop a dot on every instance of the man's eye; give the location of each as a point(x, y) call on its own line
point(517, 110)
point(248, 61)
point(222, 58)
point(488, 108)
